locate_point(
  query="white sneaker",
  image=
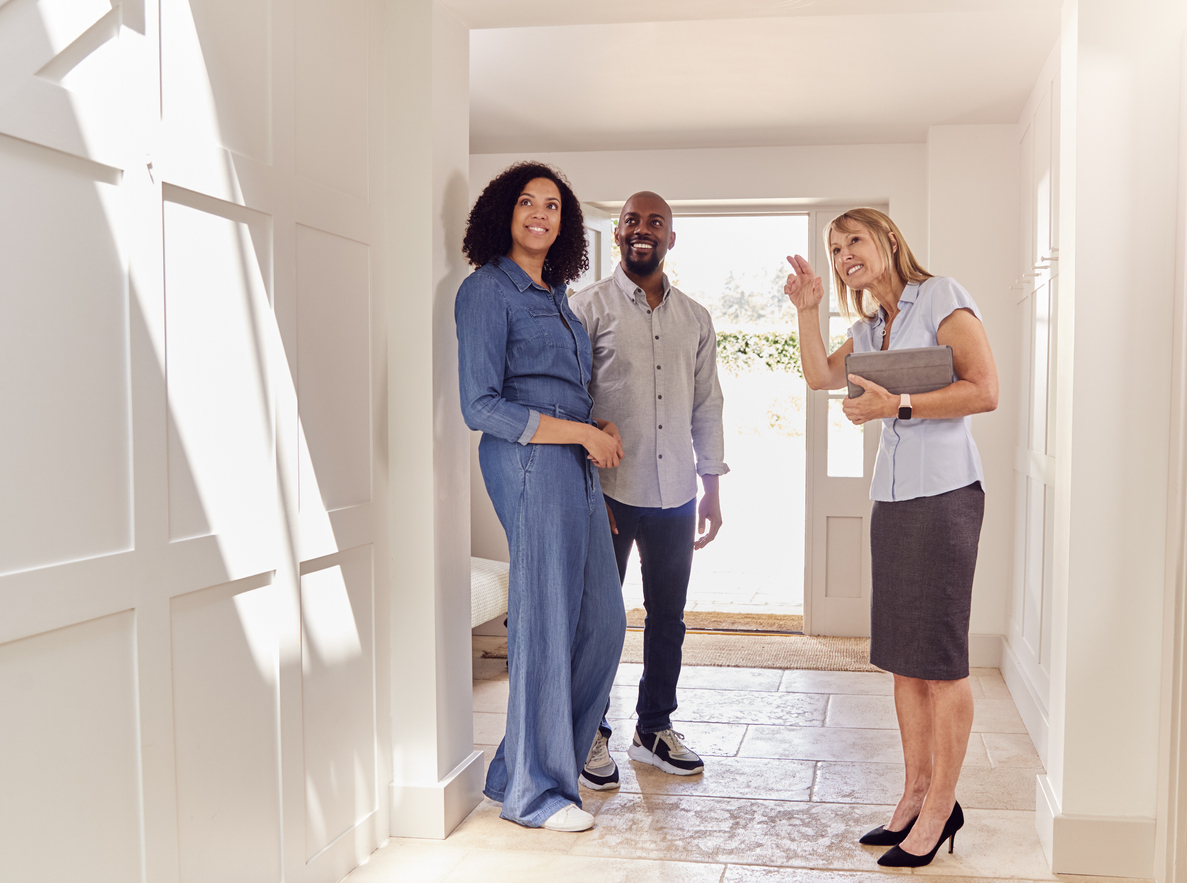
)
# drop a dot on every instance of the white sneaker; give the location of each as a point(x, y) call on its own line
point(569, 818)
point(600, 772)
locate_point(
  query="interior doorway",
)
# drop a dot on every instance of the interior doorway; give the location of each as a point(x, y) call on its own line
point(735, 265)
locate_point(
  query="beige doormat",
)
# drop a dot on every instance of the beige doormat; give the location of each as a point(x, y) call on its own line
point(802, 652)
point(709, 620)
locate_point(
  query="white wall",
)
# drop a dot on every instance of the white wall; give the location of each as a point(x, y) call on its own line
point(1119, 131)
point(972, 190)
point(1170, 848)
point(437, 775)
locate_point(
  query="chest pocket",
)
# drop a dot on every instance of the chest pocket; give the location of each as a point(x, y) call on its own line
point(551, 327)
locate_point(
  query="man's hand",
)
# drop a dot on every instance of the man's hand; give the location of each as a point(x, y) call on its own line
point(709, 509)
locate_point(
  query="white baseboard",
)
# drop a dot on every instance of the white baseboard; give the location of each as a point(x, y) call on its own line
point(1093, 845)
point(433, 811)
point(985, 651)
point(1046, 811)
point(1031, 708)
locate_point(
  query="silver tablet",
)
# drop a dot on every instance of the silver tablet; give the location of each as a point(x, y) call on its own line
point(912, 371)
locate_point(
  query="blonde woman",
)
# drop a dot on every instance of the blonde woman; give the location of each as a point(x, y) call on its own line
point(928, 503)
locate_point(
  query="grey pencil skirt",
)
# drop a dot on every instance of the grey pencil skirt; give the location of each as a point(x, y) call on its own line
point(923, 555)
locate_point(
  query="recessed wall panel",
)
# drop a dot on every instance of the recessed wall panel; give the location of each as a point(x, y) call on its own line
point(334, 369)
point(332, 89)
point(338, 669)
point(216, 61)
point(843, 574)
point(225, 675)
point(221, 472)
point(69, 755)
point(65, 455)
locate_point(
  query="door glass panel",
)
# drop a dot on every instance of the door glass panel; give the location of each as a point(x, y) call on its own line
point(837, 326)
point(846, 454)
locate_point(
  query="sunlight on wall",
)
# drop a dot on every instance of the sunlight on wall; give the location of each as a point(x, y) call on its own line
point(329, 620)
point(259, 613)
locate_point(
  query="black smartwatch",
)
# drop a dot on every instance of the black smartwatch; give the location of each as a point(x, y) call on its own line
point(904, 407)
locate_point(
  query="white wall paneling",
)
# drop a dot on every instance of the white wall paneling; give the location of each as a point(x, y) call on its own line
point(334, 368)
point(222, 474)
point(191, 333)
point(226, 673)
point(332, 48)
point(1036, 285)
point(64, 375)
point(69, 754)
point(216, 72)
point(338, 699)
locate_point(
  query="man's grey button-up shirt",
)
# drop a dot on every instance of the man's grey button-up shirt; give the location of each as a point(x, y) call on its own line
point(669, 417)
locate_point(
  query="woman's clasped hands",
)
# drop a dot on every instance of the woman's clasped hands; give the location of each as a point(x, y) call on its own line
point(604, 444)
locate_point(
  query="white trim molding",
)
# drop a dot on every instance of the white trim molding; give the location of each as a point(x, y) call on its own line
point(433, 811)
point(1098, 845)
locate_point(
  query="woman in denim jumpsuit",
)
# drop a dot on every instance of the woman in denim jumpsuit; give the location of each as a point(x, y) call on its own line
point(524, 364)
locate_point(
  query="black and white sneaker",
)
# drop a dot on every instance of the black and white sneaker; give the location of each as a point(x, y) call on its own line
point(666, 751)
point(600, 772)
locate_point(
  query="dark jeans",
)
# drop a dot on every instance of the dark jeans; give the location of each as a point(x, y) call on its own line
point(664, 538)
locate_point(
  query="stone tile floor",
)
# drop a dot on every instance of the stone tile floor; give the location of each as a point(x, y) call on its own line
point(797, 765)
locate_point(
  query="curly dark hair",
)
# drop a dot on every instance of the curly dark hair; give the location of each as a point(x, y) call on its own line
point(488, 230)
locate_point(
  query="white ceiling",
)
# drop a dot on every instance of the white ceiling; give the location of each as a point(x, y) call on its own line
point(561, 75)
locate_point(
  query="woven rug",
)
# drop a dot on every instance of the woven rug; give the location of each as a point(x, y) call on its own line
point(801, 652)
point(727, 622)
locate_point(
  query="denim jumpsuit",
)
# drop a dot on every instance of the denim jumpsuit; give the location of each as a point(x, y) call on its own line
point(565, 621)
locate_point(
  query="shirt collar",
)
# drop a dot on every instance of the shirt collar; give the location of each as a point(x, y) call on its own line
point(910, 293)
point(514, 272)
point(909, 296)
point(630, 289)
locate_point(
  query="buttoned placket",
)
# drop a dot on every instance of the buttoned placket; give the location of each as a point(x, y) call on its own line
point(657, 359)
point(898, 323)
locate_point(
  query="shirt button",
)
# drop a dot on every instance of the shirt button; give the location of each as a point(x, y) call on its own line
point(657, 367)
point(657, 337)
point(661, 426)
point(661, 456)
point(659, 397)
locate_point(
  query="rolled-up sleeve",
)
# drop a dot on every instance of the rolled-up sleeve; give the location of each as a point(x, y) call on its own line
point(708, 434)
point(481, 315)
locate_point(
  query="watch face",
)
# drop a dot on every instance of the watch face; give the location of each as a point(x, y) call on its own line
point(904, 413)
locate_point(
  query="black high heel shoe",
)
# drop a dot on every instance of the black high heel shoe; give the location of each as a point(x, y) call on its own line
point(881, 837)
point(897, 857)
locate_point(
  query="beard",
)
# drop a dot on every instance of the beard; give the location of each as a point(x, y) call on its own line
point(644, 267)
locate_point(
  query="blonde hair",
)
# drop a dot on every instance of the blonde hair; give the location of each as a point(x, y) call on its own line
point(899, 258)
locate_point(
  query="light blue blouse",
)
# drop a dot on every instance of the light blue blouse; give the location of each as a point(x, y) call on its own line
point(920, 457)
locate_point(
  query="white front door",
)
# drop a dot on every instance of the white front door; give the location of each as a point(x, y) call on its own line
point(840, 463)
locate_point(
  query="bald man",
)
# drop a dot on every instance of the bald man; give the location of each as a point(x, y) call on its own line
point(655, 376)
